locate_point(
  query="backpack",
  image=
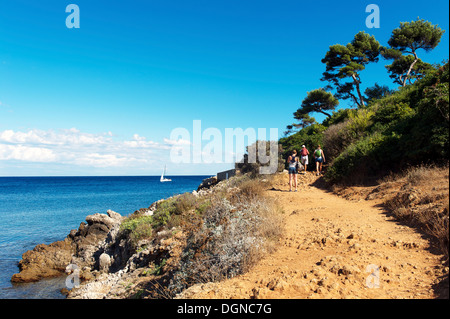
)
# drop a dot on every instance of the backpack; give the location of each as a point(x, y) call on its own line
point(318, 153)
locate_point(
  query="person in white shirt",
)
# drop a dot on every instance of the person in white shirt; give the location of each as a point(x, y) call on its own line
point(304, 158)
point(293, 161)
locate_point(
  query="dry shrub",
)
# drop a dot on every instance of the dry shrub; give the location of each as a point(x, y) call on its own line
point(185, 202)
point(418, 175)
point(423, 202)
point(279, 179)
point(175, 221)
point(438, 228)
point(252, 188)
point(223, 233)
point(232, 238)
point(336, 139)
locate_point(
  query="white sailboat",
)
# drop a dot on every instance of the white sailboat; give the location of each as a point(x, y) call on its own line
point(162, 179)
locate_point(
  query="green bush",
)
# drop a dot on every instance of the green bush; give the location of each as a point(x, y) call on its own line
point(339, 136)
point(130, 224)
point(360, 159)
point(310, 136)
point(168, 213)
point(388, 113)
point(137, 228)
point(338, 117)
point(359, 122)
point(408, 127)
point(163, 212)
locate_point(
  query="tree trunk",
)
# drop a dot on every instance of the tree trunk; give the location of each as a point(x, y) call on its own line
point(361, 99)
point(410, 69)
point(354, 99)
point(324, 113)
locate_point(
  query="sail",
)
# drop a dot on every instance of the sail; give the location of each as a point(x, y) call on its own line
point(162, 174)
point(162, 179)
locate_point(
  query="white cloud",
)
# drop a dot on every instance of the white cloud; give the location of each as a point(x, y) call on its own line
point(72, 150)
point(26, 153)
point(64, 137)
point(106, 160)
point(71, 146)
point(179, 142)
point(141, 142)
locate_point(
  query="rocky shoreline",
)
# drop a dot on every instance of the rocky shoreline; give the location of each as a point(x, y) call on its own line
point(104, 260)
point(209, 233)
point(82, 247)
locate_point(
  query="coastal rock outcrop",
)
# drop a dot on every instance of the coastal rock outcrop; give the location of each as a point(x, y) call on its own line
point(208, 183)
point(138, 273)
point(80, 247)
point(44, 261)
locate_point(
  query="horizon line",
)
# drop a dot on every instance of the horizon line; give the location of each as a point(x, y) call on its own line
point(104, 175)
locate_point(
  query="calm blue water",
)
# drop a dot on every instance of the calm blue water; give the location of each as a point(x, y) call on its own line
point(35, 210)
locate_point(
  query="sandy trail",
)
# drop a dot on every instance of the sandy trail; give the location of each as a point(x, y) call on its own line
point(334, 248)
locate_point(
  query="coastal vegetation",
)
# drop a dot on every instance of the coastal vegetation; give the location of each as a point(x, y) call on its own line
point(222, 232)
point(385, 132)
point(392, 143)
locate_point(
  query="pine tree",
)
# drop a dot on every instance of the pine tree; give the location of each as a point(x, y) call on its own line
point(345, 62)
point(404, 43)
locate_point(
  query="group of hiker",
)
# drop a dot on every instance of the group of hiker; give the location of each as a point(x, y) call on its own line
point(294, 164)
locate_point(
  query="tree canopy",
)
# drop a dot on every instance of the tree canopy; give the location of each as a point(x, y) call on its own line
point(404, 43)
point(303, 119)
point(346, 62)
point(317, 101)
point(377, 92)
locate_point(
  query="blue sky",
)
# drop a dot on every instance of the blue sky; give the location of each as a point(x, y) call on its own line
point(103, 99)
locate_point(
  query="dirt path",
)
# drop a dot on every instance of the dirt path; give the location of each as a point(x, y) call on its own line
point(334, 248)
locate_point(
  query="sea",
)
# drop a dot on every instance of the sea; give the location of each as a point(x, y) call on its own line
point(42, 210)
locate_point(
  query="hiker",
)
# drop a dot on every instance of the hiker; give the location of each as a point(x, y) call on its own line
point(319, 156)
point(293, 162)
point(304, 157)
